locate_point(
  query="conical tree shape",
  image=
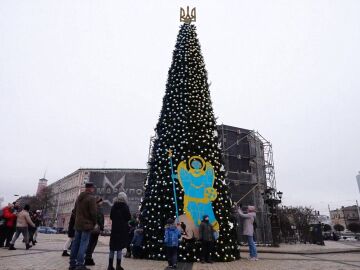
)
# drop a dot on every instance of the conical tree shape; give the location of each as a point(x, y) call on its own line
point(187, 127)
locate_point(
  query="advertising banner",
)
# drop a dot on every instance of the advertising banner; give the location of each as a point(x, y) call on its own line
point(109, 184)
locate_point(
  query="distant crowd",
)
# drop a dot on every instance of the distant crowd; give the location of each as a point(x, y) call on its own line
point(14, 222)
point(87, 222)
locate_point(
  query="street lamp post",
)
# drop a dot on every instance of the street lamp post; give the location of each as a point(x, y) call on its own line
point(273, 199)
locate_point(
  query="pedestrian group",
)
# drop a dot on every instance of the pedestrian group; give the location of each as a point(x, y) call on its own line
point(87, 222)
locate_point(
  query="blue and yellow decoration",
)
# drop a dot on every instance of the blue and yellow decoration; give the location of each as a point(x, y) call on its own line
point(197, 183)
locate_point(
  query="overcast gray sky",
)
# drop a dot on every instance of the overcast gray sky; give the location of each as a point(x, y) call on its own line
point(81, 85)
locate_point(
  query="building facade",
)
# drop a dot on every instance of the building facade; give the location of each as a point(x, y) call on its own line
point(108, 182)
point(345, 216)
point(42, 184)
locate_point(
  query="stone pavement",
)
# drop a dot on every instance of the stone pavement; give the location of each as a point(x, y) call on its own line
point(304, 249)
point(46, 255)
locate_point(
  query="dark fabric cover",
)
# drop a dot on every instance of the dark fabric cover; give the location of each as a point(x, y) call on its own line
point(86, 212)
point(120, 216)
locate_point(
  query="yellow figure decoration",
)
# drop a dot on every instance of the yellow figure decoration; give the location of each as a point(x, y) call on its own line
point(197, 183)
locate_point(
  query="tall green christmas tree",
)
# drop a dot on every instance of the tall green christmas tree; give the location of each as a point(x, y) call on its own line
point(186, 177)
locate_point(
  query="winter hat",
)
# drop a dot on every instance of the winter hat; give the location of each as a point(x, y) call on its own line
point(251, 208)
point(122, 197)
point(89, 185)
point(170, 221)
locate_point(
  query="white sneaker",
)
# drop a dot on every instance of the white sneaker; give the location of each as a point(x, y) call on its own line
point(253, 259)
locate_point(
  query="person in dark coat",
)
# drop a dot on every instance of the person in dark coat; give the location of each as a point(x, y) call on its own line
point(37, 222)
point(207, 239)
point(119, 237)
point(32, 230)
point(71, 234)
point(95, 233)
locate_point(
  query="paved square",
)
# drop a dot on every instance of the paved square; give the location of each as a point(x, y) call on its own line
point(47, 255)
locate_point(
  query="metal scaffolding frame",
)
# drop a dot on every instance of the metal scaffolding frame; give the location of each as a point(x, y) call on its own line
point(269, 167)
point(261, 161)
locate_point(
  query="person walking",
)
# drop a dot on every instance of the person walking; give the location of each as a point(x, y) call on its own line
point(248, 229)
point(37, 222)
point(22, 223)
point(8, 229)
point(32, 230)
point(70, 233)
point(207, 239)
point(119, 237)
point(171, 241)
point(85, 220)
point(94, 236)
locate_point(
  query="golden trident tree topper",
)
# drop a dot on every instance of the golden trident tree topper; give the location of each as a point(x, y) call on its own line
point(187, 17)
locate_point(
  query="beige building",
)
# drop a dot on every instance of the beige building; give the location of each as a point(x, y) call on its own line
point(108, 182)
point(63, 196)
point(345, 215)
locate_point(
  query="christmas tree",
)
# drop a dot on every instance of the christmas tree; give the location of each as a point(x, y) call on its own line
point(186, 160)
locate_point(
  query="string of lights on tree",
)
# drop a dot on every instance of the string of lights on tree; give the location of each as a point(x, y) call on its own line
point(186, 126)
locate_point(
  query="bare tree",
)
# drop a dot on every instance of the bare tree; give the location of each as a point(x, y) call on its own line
point(355, 228)
point(327, 228)
point(339, 227)
point(300, 217)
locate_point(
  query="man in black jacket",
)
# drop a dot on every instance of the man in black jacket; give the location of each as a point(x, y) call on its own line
point(207, 239)
point(95, 233)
